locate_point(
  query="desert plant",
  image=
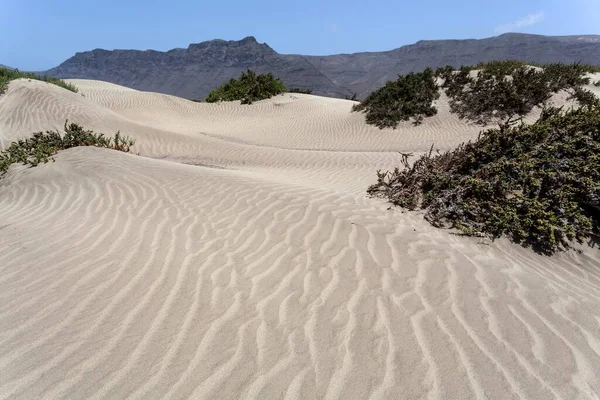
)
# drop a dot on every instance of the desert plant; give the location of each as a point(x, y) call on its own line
point(249, 88)
point(298, 90)
point(410, 97)
point(584, 97)
point(7, 75)
point(505, 92)
point(500, 67)
point(507, 67)
point(590, 68)
point(538, 184)
point(42, 146)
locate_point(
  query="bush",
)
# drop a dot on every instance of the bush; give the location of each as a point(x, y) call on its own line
point(7, 75)
point(590, 68)
point(504, 92)
point(249, 88)
point(39, 148)
point(538, 184)
point(410, 97)
point(507, 67)
point(298, 90)
point(500, 68)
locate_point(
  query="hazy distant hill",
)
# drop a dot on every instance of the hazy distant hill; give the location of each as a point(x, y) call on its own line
point(194, 71)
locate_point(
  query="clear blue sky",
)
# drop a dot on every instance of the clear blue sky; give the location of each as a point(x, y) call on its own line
point(40, 34)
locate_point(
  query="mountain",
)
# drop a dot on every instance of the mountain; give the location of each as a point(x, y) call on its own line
point(195, 71)
point(363, 72)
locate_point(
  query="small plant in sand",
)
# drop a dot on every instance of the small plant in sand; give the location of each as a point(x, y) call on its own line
point(7, 75)
point(410, 97)
point(42, 146)
point(249, 88)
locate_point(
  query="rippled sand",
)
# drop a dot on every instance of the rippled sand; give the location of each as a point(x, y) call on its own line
point(238, 257)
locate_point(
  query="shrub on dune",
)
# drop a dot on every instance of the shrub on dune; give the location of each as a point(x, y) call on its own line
point(42, 146)
point(501, 67)
point(7, 75)
point(299, 90)
point(505, 93)
point(249, 88)
point(410, 97)
point(538, 184)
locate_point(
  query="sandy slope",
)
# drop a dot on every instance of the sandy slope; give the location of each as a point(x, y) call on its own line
point(271, 276)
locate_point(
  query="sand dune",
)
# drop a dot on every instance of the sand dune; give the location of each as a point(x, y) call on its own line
point(263, 271)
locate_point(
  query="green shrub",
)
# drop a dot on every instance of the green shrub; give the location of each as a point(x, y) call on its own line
point(7, 75)
point(538, 184)
point(584, 97)
point(249, 88)
point(298, 90)
point(500, 68)
point(507, 91)
point(39, 148)
point(410, 97)
point(590, 68)
point(507, 67)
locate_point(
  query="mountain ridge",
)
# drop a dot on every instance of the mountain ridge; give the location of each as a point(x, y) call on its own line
point(194, 71)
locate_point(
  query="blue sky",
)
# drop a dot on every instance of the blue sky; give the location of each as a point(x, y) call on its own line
point(40, 34)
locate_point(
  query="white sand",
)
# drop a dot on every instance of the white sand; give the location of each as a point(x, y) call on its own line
point(273, 275)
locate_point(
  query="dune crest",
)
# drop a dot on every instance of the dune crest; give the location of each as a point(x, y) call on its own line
point(264, 271)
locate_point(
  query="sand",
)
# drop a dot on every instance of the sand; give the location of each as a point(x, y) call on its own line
point(238, 257)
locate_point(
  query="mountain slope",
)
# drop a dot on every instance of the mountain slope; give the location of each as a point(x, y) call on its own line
point(364, 72)
point(195, 71)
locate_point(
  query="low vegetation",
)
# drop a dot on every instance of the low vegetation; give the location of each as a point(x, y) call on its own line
point(538, 184)
point(298, 90)
point(7, 75)
point(249, 88)
point(410, 97)
point(504, 92)
point(42, 146)
point(506, 67)
point(487, 92)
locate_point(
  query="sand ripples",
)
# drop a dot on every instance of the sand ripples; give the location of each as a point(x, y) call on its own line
point(125, 276)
